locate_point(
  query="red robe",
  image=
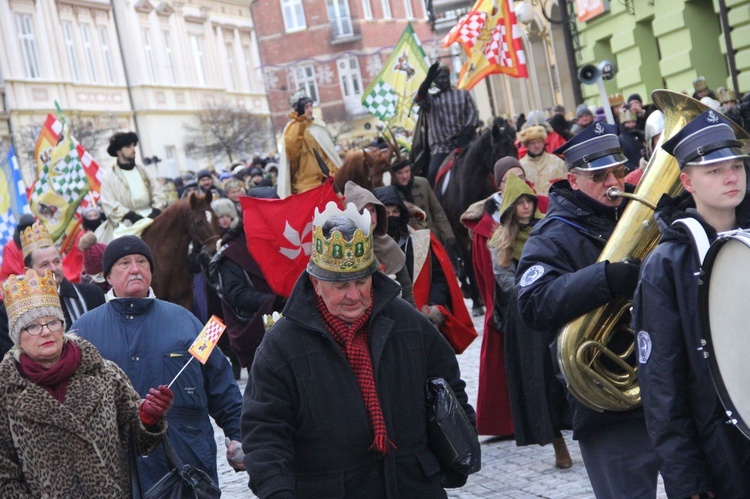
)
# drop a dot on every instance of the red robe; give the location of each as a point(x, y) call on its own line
point(458, 327)
point(493, 402)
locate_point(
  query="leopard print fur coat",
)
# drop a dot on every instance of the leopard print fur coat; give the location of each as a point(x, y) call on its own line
point(74, 449)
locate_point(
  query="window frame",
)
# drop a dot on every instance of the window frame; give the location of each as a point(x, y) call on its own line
point(386, 6)
point(88, 50)
point(307, 81)
point(293, 13)
point(199, 57)
point(166, 37)
point(349, 78)
point(342, 22)
point(109, 63)
point(29, 45)
point(70, 48)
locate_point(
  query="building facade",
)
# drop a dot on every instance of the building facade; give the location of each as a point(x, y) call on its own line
point(332, 49)
point(138, 65)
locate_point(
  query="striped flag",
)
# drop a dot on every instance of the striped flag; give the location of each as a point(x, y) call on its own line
point(491, 39)
point(13, 202)
point(389, 96)
point(206, 341)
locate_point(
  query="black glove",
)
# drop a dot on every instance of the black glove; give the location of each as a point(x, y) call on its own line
point(622, 278)
point(132, 216)
point(155, 212)
point(427, 83)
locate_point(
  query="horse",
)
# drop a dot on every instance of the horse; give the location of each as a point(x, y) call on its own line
point(471, 179)
point(365, 167)
point(169, 237)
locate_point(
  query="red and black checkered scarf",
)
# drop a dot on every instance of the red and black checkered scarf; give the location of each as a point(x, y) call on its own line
point(353, 339)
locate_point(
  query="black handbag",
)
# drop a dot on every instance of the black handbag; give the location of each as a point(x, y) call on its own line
point(184, 481)
point(452, 437)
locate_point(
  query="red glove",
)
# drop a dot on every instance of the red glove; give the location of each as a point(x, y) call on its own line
point(156, 405)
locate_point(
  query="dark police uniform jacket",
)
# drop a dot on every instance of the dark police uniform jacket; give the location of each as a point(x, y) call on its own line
point(558, 280)
point(699, 451)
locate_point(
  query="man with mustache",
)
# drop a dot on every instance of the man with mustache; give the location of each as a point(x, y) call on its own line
point(149, 338)
point(40, 254)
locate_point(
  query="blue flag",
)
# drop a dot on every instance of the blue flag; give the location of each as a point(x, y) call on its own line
point(13, 201)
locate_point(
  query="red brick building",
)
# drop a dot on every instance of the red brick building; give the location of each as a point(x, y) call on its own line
point(332, 49)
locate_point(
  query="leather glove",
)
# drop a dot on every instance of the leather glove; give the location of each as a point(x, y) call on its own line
point(155, 212)
point(156, 405)
point(132, 216)
point(427, 83)
point(235, 456)
point(622, 278)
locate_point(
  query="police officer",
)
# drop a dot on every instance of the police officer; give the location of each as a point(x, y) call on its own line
point(701, 454)
point(558, 280)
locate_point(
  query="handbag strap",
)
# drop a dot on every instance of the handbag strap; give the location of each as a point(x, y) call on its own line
point(173, 460)
point(135, 476)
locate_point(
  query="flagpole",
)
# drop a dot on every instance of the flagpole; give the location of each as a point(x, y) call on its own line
point(178, 374)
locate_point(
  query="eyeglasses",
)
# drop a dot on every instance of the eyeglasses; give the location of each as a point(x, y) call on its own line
point(602, 175)
point(35, 329)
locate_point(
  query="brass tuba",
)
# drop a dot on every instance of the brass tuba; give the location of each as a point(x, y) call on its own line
point(583, 344)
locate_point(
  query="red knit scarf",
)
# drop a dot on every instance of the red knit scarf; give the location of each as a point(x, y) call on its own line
point(353, 339)
point(55, 379)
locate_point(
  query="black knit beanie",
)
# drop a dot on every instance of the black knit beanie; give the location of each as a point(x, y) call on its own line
point(124, 246)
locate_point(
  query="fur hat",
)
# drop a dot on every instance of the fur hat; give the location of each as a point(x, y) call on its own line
point(120, 140)
point(93, 253)
point(29, 297)
point(224, 206)
point(124, 246)
point(726, 95)
point(503, 165)
point(533, 132)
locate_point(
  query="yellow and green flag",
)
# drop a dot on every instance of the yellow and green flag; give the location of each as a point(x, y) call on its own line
point(389, 96)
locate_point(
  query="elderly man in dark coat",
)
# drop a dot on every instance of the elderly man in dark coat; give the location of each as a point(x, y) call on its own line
point(336, 405)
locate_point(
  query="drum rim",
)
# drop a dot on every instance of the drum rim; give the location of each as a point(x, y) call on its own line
point(704, 284)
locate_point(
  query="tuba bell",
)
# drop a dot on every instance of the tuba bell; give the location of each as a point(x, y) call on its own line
point(596, 374)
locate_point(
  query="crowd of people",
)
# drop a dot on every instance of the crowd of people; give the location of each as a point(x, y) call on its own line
point(335, 399)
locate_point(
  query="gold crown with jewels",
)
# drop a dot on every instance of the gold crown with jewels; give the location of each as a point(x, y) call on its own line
point(336, 259)
point(35, 237)
point(26, 292)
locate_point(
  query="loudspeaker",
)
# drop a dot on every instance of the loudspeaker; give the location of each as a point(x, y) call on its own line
point(589, 74)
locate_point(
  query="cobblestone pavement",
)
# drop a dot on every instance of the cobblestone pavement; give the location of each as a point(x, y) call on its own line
point(507, 471)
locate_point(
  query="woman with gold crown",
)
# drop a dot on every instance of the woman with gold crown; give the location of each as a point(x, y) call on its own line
point(66, 414)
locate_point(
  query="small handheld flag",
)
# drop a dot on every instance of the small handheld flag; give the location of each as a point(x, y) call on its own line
point(204, 344)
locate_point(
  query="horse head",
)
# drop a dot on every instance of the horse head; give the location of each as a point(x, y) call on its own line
point(379, 162)
point(203, 224)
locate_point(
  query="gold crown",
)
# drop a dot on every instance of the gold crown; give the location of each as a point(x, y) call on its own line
point(616, 100)
point(725, 95)
point(700, 84)
point(35, 237)
point(336, 254)
point(27, 292)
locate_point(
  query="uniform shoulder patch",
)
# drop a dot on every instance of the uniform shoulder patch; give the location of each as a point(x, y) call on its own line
point(531, 275)
point(644, 347)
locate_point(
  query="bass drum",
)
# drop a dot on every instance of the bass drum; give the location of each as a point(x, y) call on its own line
point(724, 301)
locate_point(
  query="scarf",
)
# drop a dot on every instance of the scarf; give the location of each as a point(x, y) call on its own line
point(354, 343)
point(54, 379)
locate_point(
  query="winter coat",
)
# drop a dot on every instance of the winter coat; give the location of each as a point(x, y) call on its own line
point(301, 138)
point(75, 449)
point(306, 430)
point(149, 339)
point(558, 279)
point(543, 170)
point(700, 452)
point(631, 141)
point(424, 197)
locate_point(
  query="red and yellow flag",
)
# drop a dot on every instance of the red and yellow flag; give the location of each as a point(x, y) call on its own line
point(208, 338)
point(491, 39)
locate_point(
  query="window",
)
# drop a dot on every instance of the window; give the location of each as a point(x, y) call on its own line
point(230, 64)
point(351, 83)
point(386, 4)
point(304, 78)
point(170, 163)
point(28, 45)
point(88, 49)
point(170, 58)
point(196, 41)
point(294, 14)
point(70, 48)
point(109, 66)
point(146, 33)
point(367, 9)
point(338, 14)
point(408, 10)
point(248, 64)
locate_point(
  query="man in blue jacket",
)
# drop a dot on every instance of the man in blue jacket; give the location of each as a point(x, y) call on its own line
point(559, 279)
point(149, 338)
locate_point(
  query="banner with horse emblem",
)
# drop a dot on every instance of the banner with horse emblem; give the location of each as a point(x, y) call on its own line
point(491, 39)
point(389, 96)
point(279, 233)
point(13, 202)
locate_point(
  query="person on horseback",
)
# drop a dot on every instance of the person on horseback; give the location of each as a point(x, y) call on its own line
point(452, 117)
point(131, 196)
point(298, 167)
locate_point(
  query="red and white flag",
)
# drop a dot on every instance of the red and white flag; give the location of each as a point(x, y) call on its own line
point(207, 339)
point(279, 233)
